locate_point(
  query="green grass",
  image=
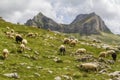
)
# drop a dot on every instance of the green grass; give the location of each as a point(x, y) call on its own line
point(46, 44)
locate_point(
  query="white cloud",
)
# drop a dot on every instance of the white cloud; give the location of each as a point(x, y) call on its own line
point(62, 11)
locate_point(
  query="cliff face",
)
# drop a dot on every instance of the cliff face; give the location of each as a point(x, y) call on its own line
point(85, 24)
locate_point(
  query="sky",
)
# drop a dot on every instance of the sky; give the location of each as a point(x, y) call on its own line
point(62, 11)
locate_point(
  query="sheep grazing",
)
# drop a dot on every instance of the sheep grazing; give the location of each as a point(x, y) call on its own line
point(24, 41)
point(22, 47)
point(89, 66)
point(114, 56)
point(73, 43)
point(62, 50)
point(12, 31)
point(102, 54)
point(5, 53)
point(96, 41)
point(8, 33)
point(30, 34)
point(80, 51)
point(18, 38)
point(66, 40)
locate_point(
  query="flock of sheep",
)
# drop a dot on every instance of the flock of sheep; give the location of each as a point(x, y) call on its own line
point(10, 33)
point(89, 65)
point(62, 49)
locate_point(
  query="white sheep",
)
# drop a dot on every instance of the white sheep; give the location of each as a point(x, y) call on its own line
point(12, 31)
point(89, 66)
point(5, 53)
point(22, 47)
point(7, 28)
point(30, 34)
point(81, 51)
point(24, 41)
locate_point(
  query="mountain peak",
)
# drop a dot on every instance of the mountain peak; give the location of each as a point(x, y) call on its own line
point(88, 24)
point(85, 24)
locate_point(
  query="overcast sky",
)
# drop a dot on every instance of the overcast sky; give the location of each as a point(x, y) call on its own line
point(62, 11)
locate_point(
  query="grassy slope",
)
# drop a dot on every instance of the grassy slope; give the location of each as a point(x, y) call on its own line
point(46, 47)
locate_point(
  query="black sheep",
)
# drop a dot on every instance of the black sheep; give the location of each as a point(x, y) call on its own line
point(114, 56)
point(18, 38)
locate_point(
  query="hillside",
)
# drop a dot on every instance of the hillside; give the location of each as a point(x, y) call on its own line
point(38, 61)
point(84, 24)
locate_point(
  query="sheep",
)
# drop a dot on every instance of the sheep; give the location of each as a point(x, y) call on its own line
point(30, 34)
point(5, 53)
point(81, 51)
point(73, 43)
point(8, 33)
point(96, 41)
point(89, 66)
point(7, 28)
point(24, 41)
point(62, 50)
point(18, 38)
point(103, 54)
point(66, 40)
point(22, 47)
point(12, 31)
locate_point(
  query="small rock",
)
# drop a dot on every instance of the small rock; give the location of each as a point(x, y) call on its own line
point(11, 75)
point(115, 74)
point(34, 57)
point(37, 74)
point(57, 78)
point(103, 71)
point(39, 67)
point(36, 52)
point(66, 77)
point(58, 60)
point(23, 64)
point(28, 67)
point(50, 71)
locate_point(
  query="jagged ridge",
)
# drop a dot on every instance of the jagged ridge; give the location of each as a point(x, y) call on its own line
point(85, 24)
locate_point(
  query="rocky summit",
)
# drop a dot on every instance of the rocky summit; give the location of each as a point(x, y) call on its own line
point(84, 24)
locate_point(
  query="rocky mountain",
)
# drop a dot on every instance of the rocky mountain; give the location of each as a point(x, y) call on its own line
point(85, 24)
point(44, 22)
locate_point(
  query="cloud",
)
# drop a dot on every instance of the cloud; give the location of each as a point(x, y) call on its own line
point(62, 11)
